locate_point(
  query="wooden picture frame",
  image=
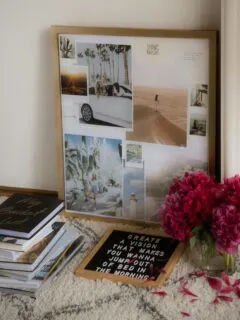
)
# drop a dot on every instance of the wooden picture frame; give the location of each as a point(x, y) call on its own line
point(82, 271)
point(188, 85)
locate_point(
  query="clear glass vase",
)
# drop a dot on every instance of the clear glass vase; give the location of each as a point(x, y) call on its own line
point(213, 263)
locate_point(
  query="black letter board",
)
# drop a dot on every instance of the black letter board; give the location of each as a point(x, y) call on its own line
point(131, 256)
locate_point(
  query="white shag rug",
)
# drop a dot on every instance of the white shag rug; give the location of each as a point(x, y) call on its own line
point(72, 298)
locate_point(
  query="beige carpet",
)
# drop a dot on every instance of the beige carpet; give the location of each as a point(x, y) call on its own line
point(71, 298)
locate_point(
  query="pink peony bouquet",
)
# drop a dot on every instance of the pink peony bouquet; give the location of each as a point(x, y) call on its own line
point(198, 209)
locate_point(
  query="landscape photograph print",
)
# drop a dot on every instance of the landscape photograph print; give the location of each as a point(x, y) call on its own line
point(93, 174)
point(110, 83)
point(73, 80)
point(198, 125)
point(134, 153)
point(160, 95)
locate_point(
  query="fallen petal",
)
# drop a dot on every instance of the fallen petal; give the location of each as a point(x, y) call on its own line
point(185, 314)
point(214, 283)
point(216, 301)
point(226, 278)
point(193, 300)
point(226, 290)
point(160, 293)
point(185, 283)
point(236, 283)
point(198, 274)
point(225, 298)
point(186, 292)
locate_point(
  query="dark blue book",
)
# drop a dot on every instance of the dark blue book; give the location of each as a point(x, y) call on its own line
point(24, 215)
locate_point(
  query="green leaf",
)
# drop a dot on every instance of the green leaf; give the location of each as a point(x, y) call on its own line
point(193, 241)
point(195, 231)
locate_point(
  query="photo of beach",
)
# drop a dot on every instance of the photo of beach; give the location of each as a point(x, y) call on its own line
point(160, 116)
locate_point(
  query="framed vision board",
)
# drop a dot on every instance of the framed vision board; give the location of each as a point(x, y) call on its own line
point(132, 256)
point(134, 109)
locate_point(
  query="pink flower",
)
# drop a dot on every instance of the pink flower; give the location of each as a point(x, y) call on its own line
point(190, 203)
point(231, 191)
point(226, 228)
point(173, 219)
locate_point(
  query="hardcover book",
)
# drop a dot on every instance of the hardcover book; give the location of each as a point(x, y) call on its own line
point(30, 259)
point(60, 253)
point(24, 215)
point(12, 245)
point(48, 272)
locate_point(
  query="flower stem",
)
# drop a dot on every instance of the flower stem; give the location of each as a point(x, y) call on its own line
point(229, 263)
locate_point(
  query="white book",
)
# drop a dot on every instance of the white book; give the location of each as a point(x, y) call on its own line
point(18, 244)
point(50, 261)
point(6, 282)
point(8, 255)
point(46, 275)
point(30, 259)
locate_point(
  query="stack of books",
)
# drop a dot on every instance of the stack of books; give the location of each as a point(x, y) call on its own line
point(35, 243)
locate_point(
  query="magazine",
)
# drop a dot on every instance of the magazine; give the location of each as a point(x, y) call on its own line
point(69, 236)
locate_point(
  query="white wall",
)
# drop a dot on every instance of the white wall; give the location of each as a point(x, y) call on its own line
point(230, 78)
point(27, 135)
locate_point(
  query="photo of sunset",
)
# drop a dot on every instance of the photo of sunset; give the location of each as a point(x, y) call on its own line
point(74, 80)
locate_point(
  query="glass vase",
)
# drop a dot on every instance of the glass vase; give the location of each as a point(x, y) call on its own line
point(214, 263)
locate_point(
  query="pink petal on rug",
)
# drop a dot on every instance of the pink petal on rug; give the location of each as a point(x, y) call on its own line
point(185, 283)
point(236, 283)
point(226, 290)
point(185, 314)
point(225, 298)
point(214, 283)
point(226, 278)
point(198, 274)
point(186, 292)
point(237, 291)
point(216, 301)
point(193, 300)
point(160, 293)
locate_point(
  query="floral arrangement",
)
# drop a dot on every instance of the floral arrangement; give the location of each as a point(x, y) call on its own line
point(197, 210)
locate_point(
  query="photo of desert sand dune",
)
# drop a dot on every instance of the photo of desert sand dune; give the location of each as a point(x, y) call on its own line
point(160, 116)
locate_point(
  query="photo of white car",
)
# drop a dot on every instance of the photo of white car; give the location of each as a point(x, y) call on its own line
point(113, 110)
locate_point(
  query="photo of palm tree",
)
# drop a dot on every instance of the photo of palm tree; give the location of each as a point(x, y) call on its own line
point(110, 82)
point(199, 95)
point(93, 174)
point(73, 80)
point(107, 63)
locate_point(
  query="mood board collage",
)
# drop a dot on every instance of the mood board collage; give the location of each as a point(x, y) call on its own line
point(134, 117)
